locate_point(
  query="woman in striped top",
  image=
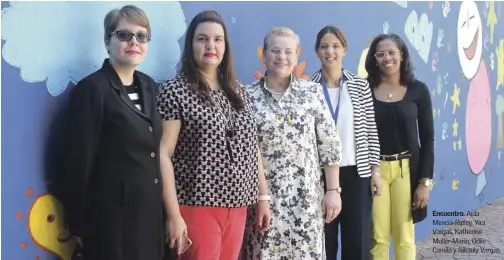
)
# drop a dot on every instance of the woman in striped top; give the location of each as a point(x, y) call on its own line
point(107, 169)
point(349, 99)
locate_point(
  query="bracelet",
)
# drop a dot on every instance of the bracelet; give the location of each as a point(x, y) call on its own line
point(264, 197)
point(337, 190)
point(377, 174)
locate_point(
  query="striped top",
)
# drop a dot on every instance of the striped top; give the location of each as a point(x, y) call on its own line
point(366, 135)
point(134, 95)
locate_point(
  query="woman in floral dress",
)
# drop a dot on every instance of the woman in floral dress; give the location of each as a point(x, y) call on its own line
point(298, 139)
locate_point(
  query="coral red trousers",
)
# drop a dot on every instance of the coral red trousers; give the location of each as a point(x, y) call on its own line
point(216, 233)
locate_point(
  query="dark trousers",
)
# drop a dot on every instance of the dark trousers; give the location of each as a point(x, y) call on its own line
point(355, 218)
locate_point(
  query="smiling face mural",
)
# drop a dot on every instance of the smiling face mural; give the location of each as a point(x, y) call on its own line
point(47, 227)
point(419, 33)
point(469, 38)
point(478, 125)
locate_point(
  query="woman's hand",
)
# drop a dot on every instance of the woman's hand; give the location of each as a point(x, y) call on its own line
point(176, 228)
point(421, 197)
point(263, 215)
point(376, 185)
point(331, 205)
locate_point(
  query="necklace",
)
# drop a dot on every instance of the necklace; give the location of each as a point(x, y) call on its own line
point(273, 92)
point(390, 96)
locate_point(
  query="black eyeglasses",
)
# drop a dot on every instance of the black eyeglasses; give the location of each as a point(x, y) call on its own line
point(126, 36)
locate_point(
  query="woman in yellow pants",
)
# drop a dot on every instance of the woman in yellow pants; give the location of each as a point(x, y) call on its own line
point(401, 101)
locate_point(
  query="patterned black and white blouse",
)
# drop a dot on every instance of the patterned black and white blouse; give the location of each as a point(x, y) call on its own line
point(297, 138)
point(215, 159)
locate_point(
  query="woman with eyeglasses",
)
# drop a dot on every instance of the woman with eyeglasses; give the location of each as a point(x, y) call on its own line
point(349, 98)
point(107, 174)
point(209, 152)
point(404, 117)
point(298, 138)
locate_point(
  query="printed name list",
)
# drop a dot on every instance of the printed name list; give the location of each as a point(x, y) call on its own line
point(461, 236)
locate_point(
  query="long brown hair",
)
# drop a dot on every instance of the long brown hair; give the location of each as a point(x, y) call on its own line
point(190, 70)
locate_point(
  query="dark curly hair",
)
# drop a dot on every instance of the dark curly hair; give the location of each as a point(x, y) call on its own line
point(189, 68)
point(406, 70)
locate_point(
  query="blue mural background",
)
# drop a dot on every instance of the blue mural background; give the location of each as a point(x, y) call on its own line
point(31, 38)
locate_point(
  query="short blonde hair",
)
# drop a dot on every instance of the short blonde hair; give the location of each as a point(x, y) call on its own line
point(131, 13)
point(280, 31)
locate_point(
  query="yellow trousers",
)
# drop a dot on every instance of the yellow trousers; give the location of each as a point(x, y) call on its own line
point(392, 214)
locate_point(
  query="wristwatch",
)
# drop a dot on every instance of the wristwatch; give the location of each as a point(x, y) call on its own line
point(338, 190)
point(427, 182)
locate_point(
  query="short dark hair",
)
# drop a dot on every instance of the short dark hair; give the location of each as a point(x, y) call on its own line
point(189, 68)
point(334, 30)
point(131, 13)
point(406, 70)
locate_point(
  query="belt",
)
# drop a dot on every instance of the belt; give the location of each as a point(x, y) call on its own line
point(396, 157)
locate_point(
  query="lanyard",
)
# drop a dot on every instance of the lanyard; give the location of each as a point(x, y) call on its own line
point(328, 98)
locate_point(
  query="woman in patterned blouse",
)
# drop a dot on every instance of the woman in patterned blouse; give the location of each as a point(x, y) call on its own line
point(297, 138)
point(350, 100)
point(209, 152)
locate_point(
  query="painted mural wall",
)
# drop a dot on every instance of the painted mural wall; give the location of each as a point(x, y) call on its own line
point(457, 49)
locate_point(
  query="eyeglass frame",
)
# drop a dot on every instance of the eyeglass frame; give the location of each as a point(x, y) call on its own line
point(386, 52)
point(280, 51)
point(130, 36)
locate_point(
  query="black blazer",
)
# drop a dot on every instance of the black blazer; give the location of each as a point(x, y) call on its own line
point(108, 174)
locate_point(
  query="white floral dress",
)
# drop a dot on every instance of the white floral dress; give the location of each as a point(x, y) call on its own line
point(297, 137)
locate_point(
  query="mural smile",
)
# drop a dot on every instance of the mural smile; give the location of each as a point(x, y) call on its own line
point(471, 50)
point(64, 239)
point(469, 38)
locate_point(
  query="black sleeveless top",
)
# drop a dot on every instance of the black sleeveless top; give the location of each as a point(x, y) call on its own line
point(391, 126)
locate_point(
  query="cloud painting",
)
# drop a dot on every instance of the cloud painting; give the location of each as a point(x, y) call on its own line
point(62, 42)
point(403, 4)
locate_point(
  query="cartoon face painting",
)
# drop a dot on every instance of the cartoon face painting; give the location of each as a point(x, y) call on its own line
point(469, 38)
point(47, 227)
point(419, 33)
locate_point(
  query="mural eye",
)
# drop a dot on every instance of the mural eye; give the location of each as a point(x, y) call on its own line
point(413, 29)
point(51, 218)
